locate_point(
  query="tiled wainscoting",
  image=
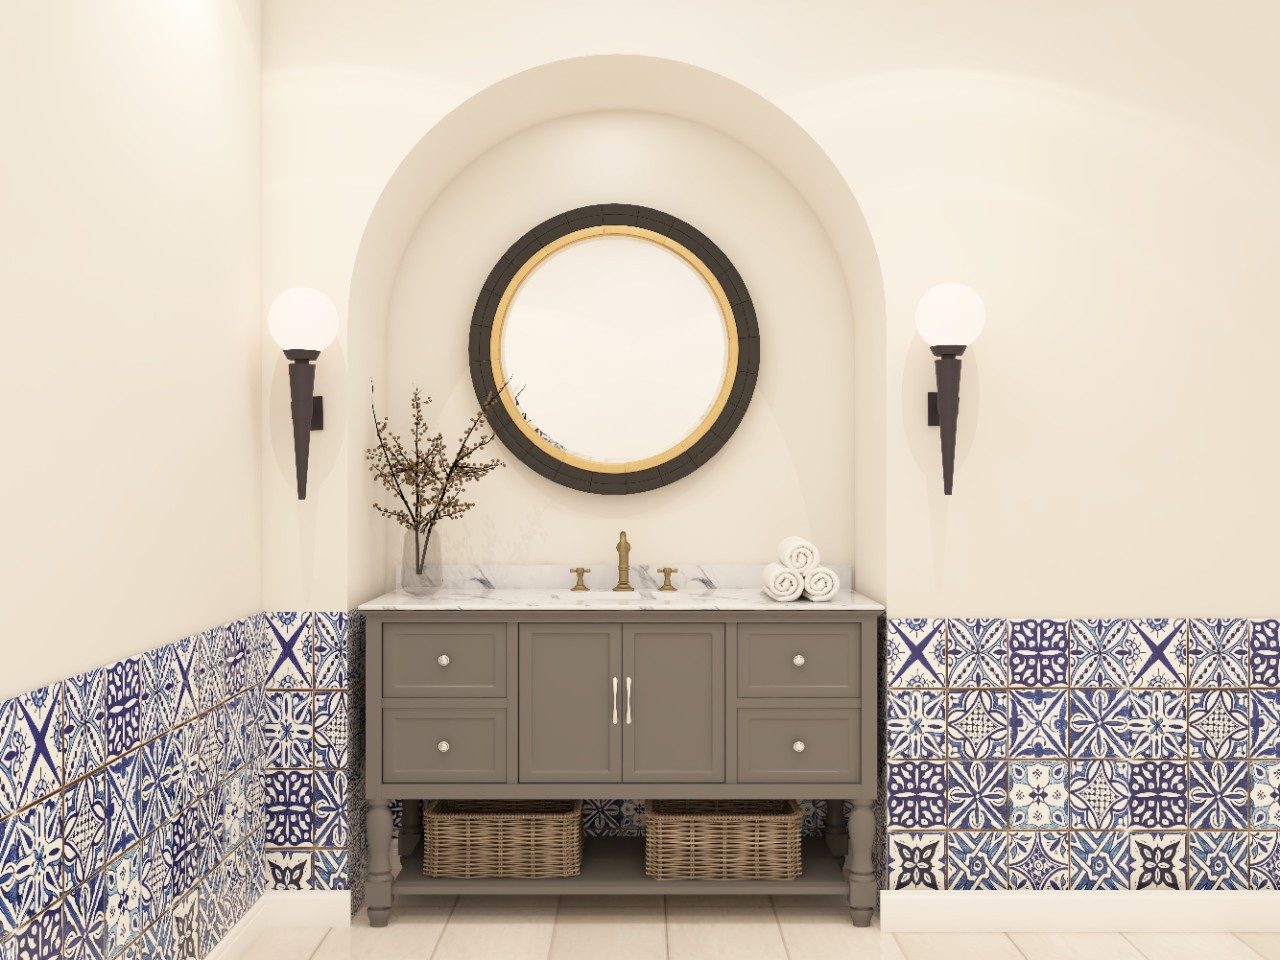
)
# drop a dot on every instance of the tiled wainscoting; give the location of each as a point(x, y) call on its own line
point(131, 809)
point(1083, 754)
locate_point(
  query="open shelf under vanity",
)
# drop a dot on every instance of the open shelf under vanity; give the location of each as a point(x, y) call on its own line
point(615, 865)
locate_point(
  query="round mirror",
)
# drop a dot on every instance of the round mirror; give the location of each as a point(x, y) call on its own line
point(627, 344)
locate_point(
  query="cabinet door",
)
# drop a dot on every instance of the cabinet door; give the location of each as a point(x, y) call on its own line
point(673, 703)
point(570, 719)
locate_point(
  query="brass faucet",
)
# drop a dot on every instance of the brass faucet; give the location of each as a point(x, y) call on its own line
point(624, 564)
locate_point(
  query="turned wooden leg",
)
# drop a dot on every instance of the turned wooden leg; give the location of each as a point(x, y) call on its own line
point(857, 864)
point(834, 831)
point(377, 888)
point(410, 829)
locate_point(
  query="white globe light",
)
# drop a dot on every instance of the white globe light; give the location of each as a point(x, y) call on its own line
point(302, 318)
point(950, 314)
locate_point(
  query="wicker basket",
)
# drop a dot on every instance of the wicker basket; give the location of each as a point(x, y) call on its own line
point(722, 839)
point(514, 839)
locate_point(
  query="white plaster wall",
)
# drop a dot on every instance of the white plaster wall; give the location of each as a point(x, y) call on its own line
point(129, 260)
point(790, 464)
point(1107, 175)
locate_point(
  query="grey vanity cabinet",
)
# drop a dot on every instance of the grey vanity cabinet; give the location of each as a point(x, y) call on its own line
point(613, 703)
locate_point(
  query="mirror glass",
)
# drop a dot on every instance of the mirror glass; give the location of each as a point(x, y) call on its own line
point(616, 349)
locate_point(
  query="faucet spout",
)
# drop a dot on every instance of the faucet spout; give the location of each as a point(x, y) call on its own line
point(624, 564)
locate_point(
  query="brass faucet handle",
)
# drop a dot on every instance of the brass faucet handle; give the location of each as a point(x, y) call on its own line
point(667, 585)
point(581, 584)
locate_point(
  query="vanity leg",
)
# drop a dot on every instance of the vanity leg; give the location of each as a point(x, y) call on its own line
point(410, 829)
point(857, 864)
point(834, 831)
point(377, 889)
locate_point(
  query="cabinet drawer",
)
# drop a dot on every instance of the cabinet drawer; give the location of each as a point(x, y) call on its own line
point(799, 660)
point(412, 739)
point(831, 739)
point(444, 660)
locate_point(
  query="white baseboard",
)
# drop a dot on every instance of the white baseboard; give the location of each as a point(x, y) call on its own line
point(284, 908)
point(1080, 911)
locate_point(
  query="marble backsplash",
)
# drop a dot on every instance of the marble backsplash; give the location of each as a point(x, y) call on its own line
point(703, 577)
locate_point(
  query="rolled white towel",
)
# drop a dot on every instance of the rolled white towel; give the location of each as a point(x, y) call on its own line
point(798, 554)
point(782, 583)
point(821, 583)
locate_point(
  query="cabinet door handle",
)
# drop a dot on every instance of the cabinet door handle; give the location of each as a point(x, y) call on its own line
point(443, 746)
point(798, 660)
point(628, 700)
point(798, 746)
point(443, 660)
point(615, 701)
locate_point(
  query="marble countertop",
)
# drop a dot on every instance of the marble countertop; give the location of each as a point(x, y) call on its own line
point(535, 598)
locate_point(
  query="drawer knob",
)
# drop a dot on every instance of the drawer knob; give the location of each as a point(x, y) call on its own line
point(798, 659)
point(443, 746)
point(443, 660)
point(798, 746)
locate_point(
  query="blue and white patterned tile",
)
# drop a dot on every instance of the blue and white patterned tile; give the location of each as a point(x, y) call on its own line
point(160, 674)
point(1038, 723)
point(1157, 653)
point(185, 703)
point(1219, 795)
point(915, 653)
point(1038, 860)
point(1264, 860)
point(331, 650)
point(41, 939)
point(236, 814)
point(289, 808)
point(210, 663)
point(84, 723)
point(1218, 860)
point(978, 653)
point(977, 796)
point(289, 728)
point(1100, 860)
point(1038, 794)
point(1158, 861)
point(238, 642)
point(1219, 652)
point(30, 747)
point(977, 861)
point(30, 863)
point(85, 829)
point(916, 724)
point(917, 861)
point(288, 870)
point(187, 935)
point(1100, 653)
point(1158, 794)
point(123, 701)
point(1038, 653)
point(156, 879)
point(1101, 722)
point(1264, 653)
point(1264, 795)
point(917, 794)
point(84, 920)
point(185, 851)
point(329, 809)
point(122, 804)
point(1160, 728)
point(329, 870)
point(331, 728)
point(1098, 795)
point(1265, 723)
point(977, 724)
point(291, 650)
point(157, 939)
point(601, 818)
point(123, 904)
point(1218, 724)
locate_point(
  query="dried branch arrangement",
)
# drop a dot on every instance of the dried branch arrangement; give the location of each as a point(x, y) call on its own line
point(427, 483)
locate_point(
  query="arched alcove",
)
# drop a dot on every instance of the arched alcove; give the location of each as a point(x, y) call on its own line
point(649, 86)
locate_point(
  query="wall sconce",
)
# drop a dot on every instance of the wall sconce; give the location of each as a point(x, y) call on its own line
point(949, 317)
point(303, 322)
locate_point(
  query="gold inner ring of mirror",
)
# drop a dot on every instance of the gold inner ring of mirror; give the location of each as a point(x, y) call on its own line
point(726, 316)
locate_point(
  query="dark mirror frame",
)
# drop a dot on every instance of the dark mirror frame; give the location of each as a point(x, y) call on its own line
point(743, 315)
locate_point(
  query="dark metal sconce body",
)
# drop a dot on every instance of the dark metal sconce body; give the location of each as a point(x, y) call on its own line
point(944, 406)
point(308, 410)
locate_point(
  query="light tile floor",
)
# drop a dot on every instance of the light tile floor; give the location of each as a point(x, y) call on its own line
point(705, 928)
